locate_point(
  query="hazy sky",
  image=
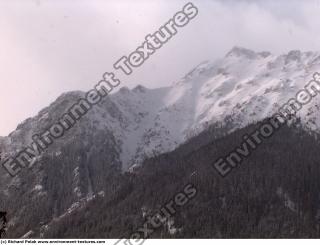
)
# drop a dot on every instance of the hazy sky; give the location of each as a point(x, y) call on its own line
point(48, 47)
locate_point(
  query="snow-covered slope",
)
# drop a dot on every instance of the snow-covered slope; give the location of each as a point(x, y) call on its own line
point(131, 125)
point(245, 85)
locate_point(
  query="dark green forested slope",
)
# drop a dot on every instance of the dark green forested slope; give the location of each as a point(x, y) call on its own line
point(274, 193)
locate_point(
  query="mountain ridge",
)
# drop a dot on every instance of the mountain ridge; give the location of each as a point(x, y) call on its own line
point(244, 85)
point(133, 125)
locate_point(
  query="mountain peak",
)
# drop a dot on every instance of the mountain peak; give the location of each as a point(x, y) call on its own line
point(240, 51)
point(294, 55)
point(140, 89)
point(248, 53)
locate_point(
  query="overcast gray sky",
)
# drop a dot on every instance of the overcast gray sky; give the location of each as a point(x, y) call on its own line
point(48, 47)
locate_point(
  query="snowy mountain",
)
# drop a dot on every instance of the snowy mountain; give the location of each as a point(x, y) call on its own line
point(245, 85)
point(132, 125)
